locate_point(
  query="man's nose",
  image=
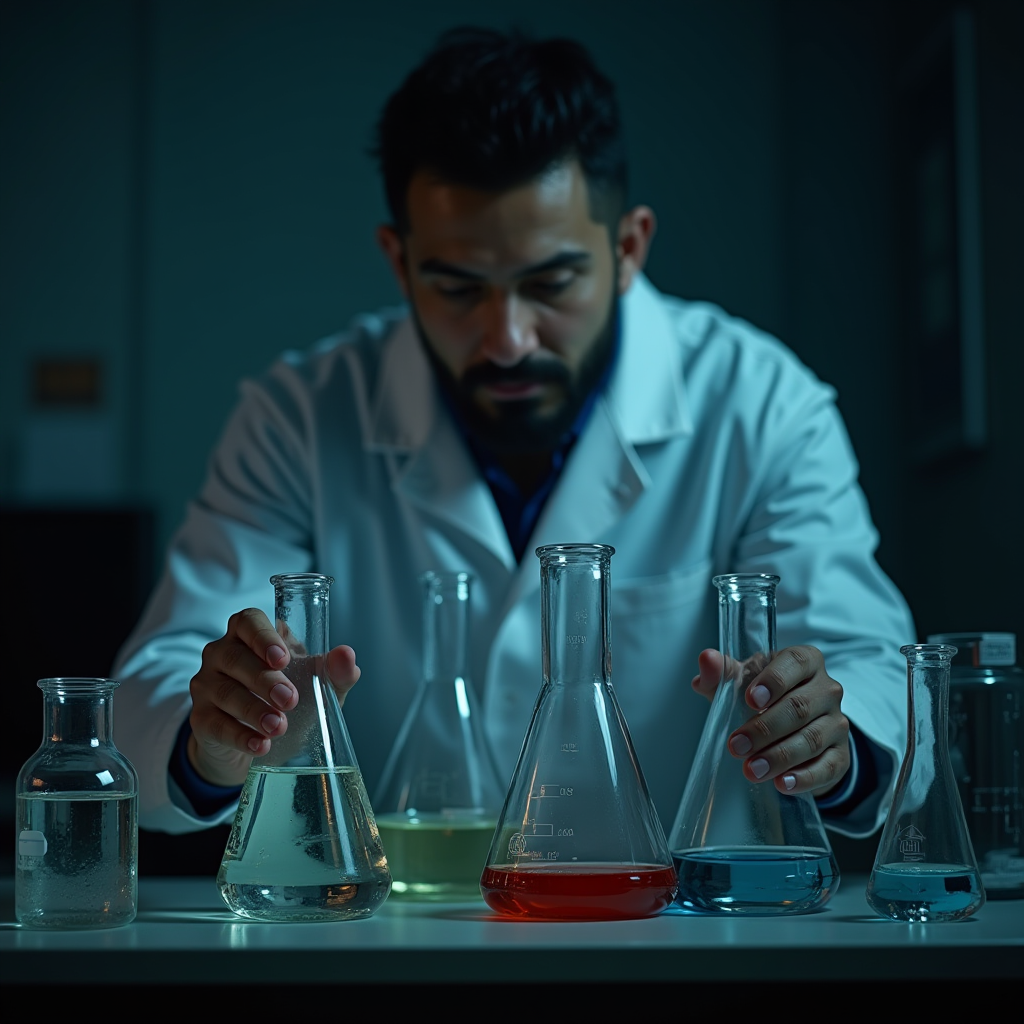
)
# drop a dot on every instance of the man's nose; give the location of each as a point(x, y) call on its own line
point(509, 330)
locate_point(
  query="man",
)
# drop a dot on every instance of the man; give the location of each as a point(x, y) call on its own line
point(537, 389)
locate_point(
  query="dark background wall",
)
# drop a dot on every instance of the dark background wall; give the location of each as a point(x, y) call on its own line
point(185, 192)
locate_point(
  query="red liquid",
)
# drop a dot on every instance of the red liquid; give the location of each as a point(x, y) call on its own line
point(598, 892)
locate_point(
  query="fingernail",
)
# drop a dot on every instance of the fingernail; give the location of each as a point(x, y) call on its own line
point(759, 768)
point(740, 745)
point(255, 744)
point(760, 695)
point(281, 694)
point(270, 721)
point(790, 781)
point(275, 654)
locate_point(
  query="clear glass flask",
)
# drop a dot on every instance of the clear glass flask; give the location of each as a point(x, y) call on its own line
point(304, 844)
point(925, 869)
point(578, 836)
point(742, 847)
point(77, 815)
point(439, 796)
point(986, 749)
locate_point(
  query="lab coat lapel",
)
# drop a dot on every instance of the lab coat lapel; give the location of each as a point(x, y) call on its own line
point(431, 466)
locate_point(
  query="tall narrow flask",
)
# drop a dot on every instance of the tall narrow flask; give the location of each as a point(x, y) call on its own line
point(925, 869)
point(77, 815)
point(986, 749)
point(578, 836)
point(304, 844)
point(743, 847)
point(439, 796)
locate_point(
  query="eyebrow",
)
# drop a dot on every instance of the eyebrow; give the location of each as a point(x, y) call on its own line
point(569, 258)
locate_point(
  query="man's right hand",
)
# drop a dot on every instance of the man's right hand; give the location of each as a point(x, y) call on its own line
point(240, 696)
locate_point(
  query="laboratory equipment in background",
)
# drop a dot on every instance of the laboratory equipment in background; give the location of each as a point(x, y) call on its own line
point(986, 745)
point(578, 836)
point(439, 796)
point(925, 869)
point(77, 815)
point(304, 844)
point(743, 847)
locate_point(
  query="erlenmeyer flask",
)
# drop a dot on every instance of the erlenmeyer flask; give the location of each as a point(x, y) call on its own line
point(578, 836)
point(439, 796)
point(304, 844)
point(925, 868)
point(743, 847)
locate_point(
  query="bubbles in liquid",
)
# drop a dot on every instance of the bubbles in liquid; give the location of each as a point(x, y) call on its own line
point(86, 877)
point(304, 847)
point(938, 892)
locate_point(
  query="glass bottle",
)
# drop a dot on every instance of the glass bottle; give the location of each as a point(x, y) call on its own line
point(743, 847)
point(986, 747)
point(925, 869)
point(439, 796)
point(578, 836)
point(304, 843)
point(77, 815)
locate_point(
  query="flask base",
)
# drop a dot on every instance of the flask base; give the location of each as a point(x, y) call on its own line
point(578, 892)
point(762, 880)
point(341, 902)
point(930, 894)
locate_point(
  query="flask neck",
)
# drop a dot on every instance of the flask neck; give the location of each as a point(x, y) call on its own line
point(928, 707)
point(746, 624)
point(301, 610)
point(575, 626)
point(445, 626)
point(78, 719)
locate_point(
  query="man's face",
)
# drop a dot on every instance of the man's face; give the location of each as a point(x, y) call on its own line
point(514, 294)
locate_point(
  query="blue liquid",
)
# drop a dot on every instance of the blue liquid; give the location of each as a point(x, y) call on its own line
point(755, 879)
point(930, 893)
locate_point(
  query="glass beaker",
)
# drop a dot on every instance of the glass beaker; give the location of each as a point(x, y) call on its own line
point(578, 837)
point(77, 815)
point(986, 747)
point(925, 869)
point(743, 847)
point(304, 844)
point(439, 796)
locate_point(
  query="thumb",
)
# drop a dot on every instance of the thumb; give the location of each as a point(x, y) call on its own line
point(709, 675)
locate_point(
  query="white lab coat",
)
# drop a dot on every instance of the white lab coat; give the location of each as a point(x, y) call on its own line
point(711, 450)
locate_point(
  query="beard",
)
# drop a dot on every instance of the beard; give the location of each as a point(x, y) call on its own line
point(525, 426)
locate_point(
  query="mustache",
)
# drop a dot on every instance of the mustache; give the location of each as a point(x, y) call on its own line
point(529, 371)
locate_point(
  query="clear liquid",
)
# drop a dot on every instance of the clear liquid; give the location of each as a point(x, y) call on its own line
point(931, 893)
point(755, 880)
point(436, 857)
point(304, 847)
point(87, 877)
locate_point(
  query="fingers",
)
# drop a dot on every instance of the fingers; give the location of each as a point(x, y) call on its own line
point(709, 664)
point(342, 670)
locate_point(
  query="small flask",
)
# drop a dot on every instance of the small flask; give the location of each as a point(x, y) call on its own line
point(925, 869)
point(986, 749)
point(578, 837)
point(304, 844)
point(77, 815)
point(439, 796)
point(743, 847)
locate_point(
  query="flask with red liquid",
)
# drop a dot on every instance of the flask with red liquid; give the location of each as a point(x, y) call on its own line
point(578, 837)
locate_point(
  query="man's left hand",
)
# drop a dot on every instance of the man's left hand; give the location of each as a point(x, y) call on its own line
point(799, 737)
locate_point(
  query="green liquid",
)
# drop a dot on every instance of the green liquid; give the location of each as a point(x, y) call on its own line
point(434, 856)
point(304, 847)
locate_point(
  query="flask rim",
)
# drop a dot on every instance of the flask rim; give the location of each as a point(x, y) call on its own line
point(928, 652)
point(77, 684)
point(574, 552)
point(746, 580)
point(299, 579)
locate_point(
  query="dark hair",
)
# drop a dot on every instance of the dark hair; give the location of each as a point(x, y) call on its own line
point(492, 110)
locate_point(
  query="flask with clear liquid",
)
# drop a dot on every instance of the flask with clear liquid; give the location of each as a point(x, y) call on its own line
point(77, 815)
point(304, 845)
point(925, 869)
point(439, 796)
point(578, 837)
point(743, 847)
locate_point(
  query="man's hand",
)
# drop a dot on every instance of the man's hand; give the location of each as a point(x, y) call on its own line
point(799, 737)
point(240, 696)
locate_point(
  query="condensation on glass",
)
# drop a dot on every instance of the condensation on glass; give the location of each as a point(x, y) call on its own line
point(77, 815)
point(578, 836)
point(743, 847)
point(439, 797)
point(304, 845)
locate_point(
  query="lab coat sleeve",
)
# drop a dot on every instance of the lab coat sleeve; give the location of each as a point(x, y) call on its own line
point(252, 519)
point(809, 523)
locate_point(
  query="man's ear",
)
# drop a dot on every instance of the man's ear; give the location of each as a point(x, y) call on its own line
point(390, 243)
point(636, 232)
